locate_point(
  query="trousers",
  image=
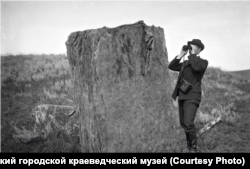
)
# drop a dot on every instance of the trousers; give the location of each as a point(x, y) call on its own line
point(187, 114)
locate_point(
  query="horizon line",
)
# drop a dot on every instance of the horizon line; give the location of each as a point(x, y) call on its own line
point(65, 54)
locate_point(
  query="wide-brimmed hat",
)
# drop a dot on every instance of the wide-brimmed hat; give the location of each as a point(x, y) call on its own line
point(197, 42)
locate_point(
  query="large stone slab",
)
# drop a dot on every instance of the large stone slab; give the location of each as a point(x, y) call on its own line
point(122, 84)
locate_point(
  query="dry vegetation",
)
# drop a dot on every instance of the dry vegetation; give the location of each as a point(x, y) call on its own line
point(29, 80)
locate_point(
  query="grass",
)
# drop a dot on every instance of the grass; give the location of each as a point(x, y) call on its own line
point(22, 92)
point(243, 73)
point(29, 80)
point(226, 94)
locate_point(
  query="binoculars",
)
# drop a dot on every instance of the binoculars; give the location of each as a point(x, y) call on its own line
point(186, 47)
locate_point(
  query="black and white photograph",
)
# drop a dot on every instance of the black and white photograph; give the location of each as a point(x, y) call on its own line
point(125, 76)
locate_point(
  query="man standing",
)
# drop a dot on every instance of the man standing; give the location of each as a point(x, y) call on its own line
point(188, 88)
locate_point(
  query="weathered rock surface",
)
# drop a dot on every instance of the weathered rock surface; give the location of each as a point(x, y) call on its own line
point(49, 118)
point(121, 85)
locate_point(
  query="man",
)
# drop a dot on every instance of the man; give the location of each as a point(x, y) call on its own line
point(188, 88)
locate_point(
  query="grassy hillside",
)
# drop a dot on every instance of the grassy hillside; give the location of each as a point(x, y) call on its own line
point(243, 73)
point(225, 94)
point(29, 80)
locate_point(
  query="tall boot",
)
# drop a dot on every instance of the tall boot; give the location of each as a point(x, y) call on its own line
point(193, 139)
point(188, 143)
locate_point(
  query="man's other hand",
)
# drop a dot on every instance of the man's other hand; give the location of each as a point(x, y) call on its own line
point(182, 54)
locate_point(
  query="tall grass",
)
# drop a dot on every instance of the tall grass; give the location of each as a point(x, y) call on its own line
point(225, 94)
point(28, 80)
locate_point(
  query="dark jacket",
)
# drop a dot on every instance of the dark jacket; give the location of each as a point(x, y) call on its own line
point(193, 71)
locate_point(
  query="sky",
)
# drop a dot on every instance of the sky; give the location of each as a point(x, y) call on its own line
point(43, 26)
